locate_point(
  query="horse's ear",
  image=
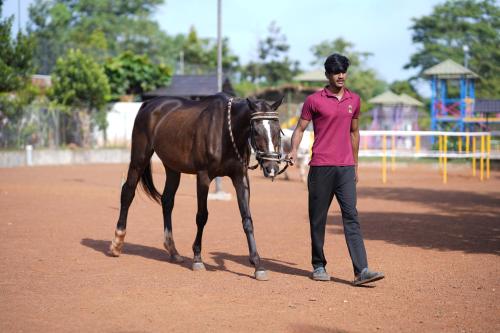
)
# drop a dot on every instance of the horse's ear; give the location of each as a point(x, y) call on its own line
point(252, 104)
point(277, 104)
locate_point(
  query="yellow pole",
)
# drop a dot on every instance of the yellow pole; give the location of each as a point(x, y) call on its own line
point(459, 144)
point(481, 164)
point(488, 151)
point(417, 143)
point(445, 149)
point(440, 151)
point(393, 153)
point(474, 156)
point(467, 144)
point(384, 159)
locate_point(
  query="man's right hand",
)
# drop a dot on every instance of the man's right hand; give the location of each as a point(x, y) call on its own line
point(296, 138)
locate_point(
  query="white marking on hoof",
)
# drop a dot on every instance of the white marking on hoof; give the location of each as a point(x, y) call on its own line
point(114, 252)
point(174, 255)
point(115, 249)
point(198, 266)
point(261, 275)
point(169, 245)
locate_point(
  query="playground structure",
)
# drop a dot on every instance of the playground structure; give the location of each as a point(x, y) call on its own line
point(394, 112)
point(453, 101)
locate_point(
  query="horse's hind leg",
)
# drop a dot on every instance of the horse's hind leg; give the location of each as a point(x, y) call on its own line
point(167, 203)
point(140, 158)
point(202, 187)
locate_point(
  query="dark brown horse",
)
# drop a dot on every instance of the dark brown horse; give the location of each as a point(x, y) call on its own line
point(209, 138)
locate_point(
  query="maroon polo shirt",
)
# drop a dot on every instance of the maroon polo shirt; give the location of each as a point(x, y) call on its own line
point(332, 126)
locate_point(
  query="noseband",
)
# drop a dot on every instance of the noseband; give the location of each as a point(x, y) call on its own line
point(260, 156)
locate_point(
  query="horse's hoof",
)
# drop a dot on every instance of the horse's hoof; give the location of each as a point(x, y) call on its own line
point(177, 258)
point(261, 275)
point(113, 251)
point(198, 266)
point(115, 248)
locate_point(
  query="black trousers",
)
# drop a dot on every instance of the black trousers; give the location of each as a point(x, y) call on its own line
point(325, 182)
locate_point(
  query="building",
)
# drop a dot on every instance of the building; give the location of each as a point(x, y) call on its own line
point(192, 87)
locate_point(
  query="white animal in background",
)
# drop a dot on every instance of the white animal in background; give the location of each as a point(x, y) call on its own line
point(303, 153)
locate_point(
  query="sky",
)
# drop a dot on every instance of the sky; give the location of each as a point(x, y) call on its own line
point(377, 26)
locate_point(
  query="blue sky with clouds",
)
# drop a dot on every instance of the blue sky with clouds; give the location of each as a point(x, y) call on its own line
point(377, 26)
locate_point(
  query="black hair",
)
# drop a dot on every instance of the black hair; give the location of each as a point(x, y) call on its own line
point(336, 63)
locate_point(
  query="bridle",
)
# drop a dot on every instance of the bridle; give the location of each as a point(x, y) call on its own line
point(260, 155)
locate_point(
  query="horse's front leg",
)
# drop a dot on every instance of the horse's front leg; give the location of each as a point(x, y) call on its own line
point(242, 187)
point(202, 187)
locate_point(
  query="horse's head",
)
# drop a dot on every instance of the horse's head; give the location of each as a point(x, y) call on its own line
point(265, 135)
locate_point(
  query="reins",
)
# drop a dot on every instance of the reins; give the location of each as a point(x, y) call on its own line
point(259, 155)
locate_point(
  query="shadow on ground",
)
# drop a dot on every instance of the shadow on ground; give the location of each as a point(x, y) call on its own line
point(220, 258)
point(468, 222)
point(450, 201)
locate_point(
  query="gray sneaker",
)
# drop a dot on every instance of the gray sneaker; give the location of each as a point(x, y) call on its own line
point(367, 276)
point(320, 274)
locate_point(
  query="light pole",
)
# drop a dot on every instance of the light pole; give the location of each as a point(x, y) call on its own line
point(18, 16)
point(219, 193)
point(466, 55)
point(219, 46)
point(181, 62)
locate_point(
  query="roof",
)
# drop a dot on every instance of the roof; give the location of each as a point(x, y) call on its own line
point(317, 75)
point(449, 69)
point(387, 97)
point(408, 100)
point(191, 85)
point(487, 105)
point(390, 98)
point(42, 81)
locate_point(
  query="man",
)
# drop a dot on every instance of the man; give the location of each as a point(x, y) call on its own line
point(333, 171)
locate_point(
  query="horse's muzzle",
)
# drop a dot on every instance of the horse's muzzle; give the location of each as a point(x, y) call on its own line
point(270, 169)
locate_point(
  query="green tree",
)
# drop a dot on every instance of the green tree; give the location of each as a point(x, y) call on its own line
point(16, 127)
point(200, 54)
point(16, 57)
point(274, 65)
point(230, 61)
point(100, 28)
point(50, 26)
point(79, 84)
point(404, 87)
point(453, 25)
point(130, 74)
point(322, 50)
point(16, 67)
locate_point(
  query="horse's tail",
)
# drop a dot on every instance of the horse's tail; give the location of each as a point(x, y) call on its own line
point(148, 185)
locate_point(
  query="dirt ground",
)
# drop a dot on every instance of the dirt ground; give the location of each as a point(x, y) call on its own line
point(439, 246)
